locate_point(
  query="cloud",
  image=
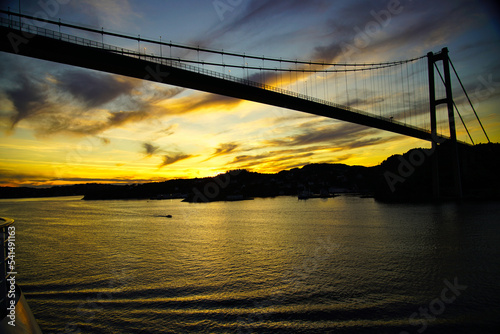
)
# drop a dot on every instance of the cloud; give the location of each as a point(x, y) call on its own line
point(272, 161)
point(168, 131)
point(199, 101)
point(12, 178)
point(94, 89)
point(28, 97)
point(121, 117)
point(61, 122)
point(74, 121)
point(49, 112)
point(109, 13)
point(41, 103)
point(172, 158)
point(150, 149)
point(415, 25)
point(341, 135)
point(278, 160)
point(263, 15)
point(47, 102)
point(224, 149)
point(341, 158)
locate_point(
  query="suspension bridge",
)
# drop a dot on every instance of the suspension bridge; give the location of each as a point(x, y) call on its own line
point(404, 97)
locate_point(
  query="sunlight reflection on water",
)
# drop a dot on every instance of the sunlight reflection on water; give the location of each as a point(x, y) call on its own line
point(343, 264)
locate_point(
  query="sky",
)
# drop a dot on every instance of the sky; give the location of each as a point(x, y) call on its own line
point(66, 125)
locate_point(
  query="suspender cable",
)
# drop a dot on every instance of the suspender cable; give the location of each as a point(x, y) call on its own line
point(458, 112)
point(470, 102)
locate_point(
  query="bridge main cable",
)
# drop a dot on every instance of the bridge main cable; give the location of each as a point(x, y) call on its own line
point(110, 59)
point(263, 68)
point(222, 52)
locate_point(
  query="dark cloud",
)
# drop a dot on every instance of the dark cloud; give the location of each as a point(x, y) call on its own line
point(46, 99)
point(259, 10)
point(273, 161)
point(9, 177)
point(322, 136)
point(121, 179)
point(61, 122)
point(419, 23)
point(94, 89)
point(246, 158)
point(172, 158)
point(277, 156)
point(423, 23)
point(224, 149)
point(267, 19)
point(340, 158)
point(104, 140)
point(162, 133)
point(121, 117)
point(267, 77)
point(273, 156)
point(168, 131)
point(49, 113)
point(150, 149)
point(29, 98)
point(165, 93)
point(203, 100)
point(339, 135)
point(50, 118)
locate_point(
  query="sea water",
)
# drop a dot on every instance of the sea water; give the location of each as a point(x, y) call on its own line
point(278, 265)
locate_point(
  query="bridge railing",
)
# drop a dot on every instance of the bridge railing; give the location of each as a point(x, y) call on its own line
point(181, 65)
point(178, 63)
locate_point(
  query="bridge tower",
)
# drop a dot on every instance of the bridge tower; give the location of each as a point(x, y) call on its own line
point(433, 58)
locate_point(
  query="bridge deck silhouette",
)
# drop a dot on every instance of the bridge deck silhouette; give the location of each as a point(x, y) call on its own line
point(62, 48)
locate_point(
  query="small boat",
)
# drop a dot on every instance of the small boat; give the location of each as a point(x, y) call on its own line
point(306, 194)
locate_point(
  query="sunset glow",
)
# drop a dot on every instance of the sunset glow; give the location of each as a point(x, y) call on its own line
point(66, 125)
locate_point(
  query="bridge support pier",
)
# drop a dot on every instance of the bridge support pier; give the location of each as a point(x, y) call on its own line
point(432, 59)
point(434, 157)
